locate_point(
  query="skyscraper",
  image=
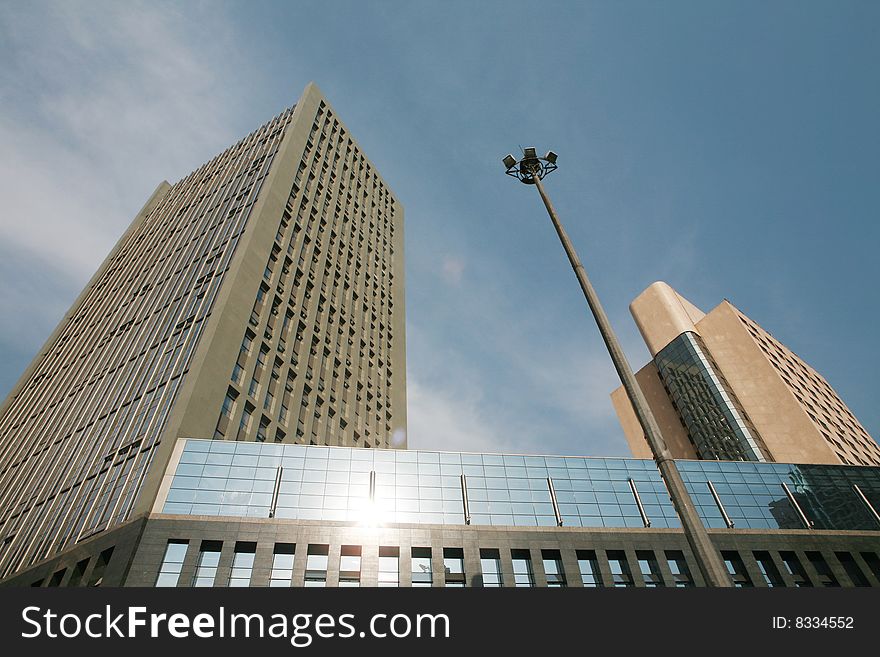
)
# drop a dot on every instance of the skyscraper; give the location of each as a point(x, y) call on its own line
point(723, 388)
point(260, 298)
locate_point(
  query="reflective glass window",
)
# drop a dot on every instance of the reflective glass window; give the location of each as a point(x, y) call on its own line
point(490, 567)
point(588, 565)
point(736, 569)
point(316, 566)
point(768, 569)
point(242, 564)
point(172, 562)
point(523, 575)
point(453, 567)
point(678, 566)
point(209, 559)
point(282, 565)
point(389, 566)
point(649, 569)
point(620, 571)
point(350, 566)
point(553, 569)
point(422, 574)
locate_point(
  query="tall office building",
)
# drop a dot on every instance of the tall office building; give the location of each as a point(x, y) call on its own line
point(723, 388)
point(258, 299)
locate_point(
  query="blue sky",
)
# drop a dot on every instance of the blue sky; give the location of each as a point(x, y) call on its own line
point(730, 149)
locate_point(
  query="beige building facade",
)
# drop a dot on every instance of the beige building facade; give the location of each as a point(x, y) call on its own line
point(721, 387)
point(260, 299)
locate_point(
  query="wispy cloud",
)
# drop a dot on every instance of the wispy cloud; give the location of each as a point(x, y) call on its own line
point(450, 419)
point(101, 101)
point(105, 100)
point(509, 390)
point(452, 269)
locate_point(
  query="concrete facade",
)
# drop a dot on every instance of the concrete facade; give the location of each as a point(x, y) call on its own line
point(798, 416)
point(851, 558)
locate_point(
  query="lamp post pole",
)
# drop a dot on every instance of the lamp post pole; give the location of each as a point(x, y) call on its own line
point(530, 170)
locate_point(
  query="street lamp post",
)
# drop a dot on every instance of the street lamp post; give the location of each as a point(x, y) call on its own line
point(530, 170)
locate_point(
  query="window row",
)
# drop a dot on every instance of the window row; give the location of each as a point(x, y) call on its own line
point(511, 568)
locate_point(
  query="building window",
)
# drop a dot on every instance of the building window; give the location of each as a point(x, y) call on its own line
point(490, 567)
point(97, 577)
point(316, 566)
point(737, 570)
point(826, 577)
point(242, 564)
point(172, 562)
point(209, 558)
point(553, 569)
point(261, 357)
point(228, 404)
point(350, 566)
point(873, 562)
point(620, 572)
point(855, 574)
point(422, 571)
point(282, 565)
point(681, 573)
point(523, 576)
point(649, 569)
point(717, 425)
point(245, 423)
point(78, 573)
point(768, 569)
point(389, 566)
point(261, 430)
point(57, 576)
point(588, 565)
point(453, 567)
point(795, 569)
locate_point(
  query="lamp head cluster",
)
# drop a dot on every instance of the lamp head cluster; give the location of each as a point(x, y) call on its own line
point(530, 166)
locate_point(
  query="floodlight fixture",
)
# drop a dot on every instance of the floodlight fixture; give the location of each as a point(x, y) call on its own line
point(530, 167)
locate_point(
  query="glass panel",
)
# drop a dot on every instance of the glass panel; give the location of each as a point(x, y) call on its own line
point(592, 492)
point(737, 570)
point(316, 566)
point(242, 564)
point(422, 574)
point(209, 558)
point(553, 570)
point(350, 566)
point(649, 568)
point(523, 576)
point(172, 562)
point(588, 565)
point(282, 565)
point(826, 577)
point(768, 569)
point(490, 566)
point(620, 571)
point(795, 569)
point(389, 566)
point(453, 566)
point(678, 566)
point(715, 421)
